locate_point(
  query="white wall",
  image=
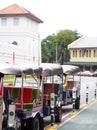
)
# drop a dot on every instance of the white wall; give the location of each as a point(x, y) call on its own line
point(13, 54)
point(25, 34)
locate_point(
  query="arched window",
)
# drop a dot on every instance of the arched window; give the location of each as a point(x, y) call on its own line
point(94, 53)
point(89, 53)
point(86, 53)
point(76, 53)
point(14, 43)
point(73, 54)
point(79, 53)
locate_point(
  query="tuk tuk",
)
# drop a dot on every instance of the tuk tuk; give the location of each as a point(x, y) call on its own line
point(52, 91)
point(22, 107)
point(71, 87)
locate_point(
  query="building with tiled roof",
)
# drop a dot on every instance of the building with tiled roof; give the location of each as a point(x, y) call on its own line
point(20, 27)
point(16, 10)
point(83, 52)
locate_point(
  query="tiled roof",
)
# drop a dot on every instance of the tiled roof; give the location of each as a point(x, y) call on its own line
point(18, 10)
point(84, 42)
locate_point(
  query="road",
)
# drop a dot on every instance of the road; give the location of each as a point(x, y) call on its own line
point(65, 111)
point(85, 81)
point(85, 119)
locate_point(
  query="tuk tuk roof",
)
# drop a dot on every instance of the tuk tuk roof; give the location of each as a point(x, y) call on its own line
point(50, 69)
point(20, 69)
point(70, 69)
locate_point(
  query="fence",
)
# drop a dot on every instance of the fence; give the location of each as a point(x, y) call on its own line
point(14, 58)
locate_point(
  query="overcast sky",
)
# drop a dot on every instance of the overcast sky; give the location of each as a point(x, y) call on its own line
point(80, 15)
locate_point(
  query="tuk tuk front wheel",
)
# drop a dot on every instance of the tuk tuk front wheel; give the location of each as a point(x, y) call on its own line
point(58, 115)
point(35, 123)
point(4, 123)
point(77, 103)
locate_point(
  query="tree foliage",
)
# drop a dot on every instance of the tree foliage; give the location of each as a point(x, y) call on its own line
point(55, 47)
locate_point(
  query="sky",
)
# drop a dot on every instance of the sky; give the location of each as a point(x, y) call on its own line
point(80, 15)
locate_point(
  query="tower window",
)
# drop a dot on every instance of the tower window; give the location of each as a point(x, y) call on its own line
point(3, 21)
point(16, 21)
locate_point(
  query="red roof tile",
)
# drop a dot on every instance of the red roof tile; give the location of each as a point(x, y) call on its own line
point(18, 10)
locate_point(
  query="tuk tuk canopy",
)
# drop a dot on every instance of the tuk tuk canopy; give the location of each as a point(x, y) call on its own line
point(50, 69)
point(20, 69)
point(70, 69)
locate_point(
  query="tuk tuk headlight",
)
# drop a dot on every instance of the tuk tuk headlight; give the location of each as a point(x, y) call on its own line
point(11, 113)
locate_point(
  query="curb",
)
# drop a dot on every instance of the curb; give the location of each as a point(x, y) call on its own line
point(54, 127)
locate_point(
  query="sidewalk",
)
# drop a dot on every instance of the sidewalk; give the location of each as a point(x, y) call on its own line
point(85, 120)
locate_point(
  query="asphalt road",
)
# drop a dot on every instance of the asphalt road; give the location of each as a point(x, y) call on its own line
point(85, 120)
point(65, 111)
point(85, 81)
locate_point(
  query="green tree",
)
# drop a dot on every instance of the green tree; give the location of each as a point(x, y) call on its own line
point(48, 49)
point(55, 47)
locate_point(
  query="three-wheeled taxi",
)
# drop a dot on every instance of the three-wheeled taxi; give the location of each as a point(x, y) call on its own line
point(22, 108)
point(52, 91)
point(71, 87)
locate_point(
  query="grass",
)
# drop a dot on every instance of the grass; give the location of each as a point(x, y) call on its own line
point(8, 79)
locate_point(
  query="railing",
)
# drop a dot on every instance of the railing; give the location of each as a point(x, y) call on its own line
point(17, 58)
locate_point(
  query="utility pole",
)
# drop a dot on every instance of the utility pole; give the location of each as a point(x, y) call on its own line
point(56, 53)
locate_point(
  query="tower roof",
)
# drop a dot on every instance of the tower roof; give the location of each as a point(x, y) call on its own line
point(17, 10)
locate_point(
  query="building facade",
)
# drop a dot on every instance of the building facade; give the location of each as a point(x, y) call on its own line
point(20, 28)
point(83, 52)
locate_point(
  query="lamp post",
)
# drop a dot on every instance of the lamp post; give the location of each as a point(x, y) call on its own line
point(52, 105)
point(87, 91)
point(73, 98)
point(56, 52)
point(95, 91)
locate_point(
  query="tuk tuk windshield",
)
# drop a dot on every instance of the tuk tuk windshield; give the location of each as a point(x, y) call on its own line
point(28, 81)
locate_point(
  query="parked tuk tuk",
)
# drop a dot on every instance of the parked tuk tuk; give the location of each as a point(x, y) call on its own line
point(71, 87)
point(52, 91)
point(22, 107)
